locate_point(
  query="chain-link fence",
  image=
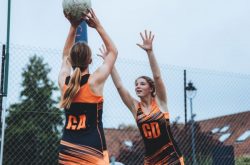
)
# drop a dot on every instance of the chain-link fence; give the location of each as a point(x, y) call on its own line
point(217, 132)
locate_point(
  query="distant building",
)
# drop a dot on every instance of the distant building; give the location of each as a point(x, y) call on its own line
point(118, 139)
point(231, 130)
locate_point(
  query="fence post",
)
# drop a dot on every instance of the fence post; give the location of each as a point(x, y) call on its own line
point(2, 106)
point(185, 96)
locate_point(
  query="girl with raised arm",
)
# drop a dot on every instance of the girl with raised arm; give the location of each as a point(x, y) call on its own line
point(83, 140)
point(150, 111)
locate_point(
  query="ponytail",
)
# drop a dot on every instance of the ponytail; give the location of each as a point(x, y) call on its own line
point(73, 88)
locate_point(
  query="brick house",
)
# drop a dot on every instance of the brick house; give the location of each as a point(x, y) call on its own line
point(231, 130)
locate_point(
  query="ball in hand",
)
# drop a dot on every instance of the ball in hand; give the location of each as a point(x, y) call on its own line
point(76, 7)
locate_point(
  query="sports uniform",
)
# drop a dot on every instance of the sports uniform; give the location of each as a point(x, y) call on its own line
point(161, 149)
point(83, 140)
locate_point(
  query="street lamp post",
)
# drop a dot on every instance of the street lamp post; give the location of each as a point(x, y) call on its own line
point(191, 92)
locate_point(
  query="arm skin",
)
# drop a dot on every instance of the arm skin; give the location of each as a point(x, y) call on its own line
point(98, 78)
point(127, 99)
point(147, 45)
point(66, 66)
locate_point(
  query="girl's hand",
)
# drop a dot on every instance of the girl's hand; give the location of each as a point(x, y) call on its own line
point(91, 19)
point(103, 52)
point(147, 41)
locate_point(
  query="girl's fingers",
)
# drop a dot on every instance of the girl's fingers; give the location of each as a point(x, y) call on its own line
point(100, 56)
point(142, 36)
point(100, 50)
point(153, 38)
point(86, 15)
point(103, 47)
point(92, 12)
point(140, 46)
point(146, 35)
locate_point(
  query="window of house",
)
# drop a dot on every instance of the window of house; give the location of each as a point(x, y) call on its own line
point(215, 130)
point(243, 136)
point(224, 137)
point(128, 143)
point(224, 129)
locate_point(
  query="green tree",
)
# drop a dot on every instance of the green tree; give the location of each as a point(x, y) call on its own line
point(33, 126)
point(244, 160)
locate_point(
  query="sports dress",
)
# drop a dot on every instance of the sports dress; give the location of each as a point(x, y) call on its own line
point(83, 140)
point(161, 149)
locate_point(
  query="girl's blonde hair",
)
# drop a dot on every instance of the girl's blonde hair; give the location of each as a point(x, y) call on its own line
point(80, 58)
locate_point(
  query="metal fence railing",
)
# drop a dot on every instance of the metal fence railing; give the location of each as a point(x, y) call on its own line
point(34, 124)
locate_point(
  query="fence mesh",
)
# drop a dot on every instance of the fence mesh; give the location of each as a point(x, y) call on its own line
point(33, 125)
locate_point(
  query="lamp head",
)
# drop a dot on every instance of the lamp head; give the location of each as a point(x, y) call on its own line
point(191, 90)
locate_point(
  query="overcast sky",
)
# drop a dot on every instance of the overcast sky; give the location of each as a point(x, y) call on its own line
point(210, 34)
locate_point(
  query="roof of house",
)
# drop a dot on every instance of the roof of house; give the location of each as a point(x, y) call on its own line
point(233, 129)
point(118, 138)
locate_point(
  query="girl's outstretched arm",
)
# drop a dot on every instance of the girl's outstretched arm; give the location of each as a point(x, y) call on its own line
point(66, 66)
point(147, 45)
point(101, 74)
point(127, 99)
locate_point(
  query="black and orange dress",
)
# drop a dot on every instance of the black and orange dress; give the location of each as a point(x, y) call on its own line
point(161, 149)
point(83, 140)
